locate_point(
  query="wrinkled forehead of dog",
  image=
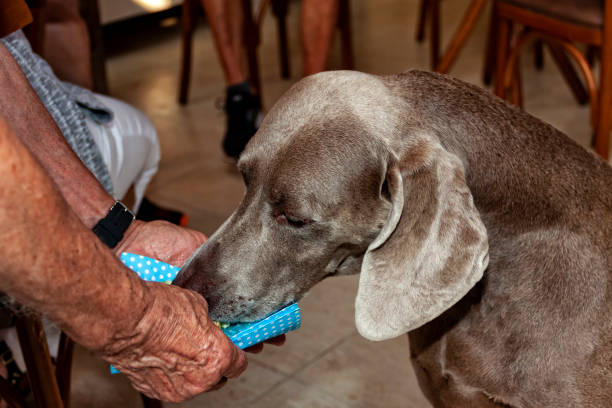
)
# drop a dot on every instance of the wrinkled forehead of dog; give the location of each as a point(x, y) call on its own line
point(328, 131)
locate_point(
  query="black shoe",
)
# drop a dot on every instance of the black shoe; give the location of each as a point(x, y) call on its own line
point(243, 110)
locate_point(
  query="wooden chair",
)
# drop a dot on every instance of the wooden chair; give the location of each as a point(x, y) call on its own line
point(251, 29)
point(89, 10)
point(430, 9)
point(50, 383)
point(560, 24)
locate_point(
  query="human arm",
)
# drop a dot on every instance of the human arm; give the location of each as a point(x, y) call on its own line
point(88, 199)
point(160, 336)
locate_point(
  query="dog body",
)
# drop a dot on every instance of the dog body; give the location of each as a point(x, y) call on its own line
point(483, 232)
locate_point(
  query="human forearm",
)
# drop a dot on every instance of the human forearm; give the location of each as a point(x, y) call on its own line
point(158, 335)
point(50, 262)
point(39, 133)
point(87, 198)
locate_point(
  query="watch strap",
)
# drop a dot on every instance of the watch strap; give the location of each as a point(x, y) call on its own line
point(111, 228)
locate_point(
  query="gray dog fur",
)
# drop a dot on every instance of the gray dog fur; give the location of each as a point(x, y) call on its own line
point(483, 232)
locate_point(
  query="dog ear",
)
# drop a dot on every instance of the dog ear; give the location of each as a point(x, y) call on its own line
point(431, 251)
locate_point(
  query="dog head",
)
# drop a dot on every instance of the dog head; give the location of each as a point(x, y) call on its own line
point(342, 179)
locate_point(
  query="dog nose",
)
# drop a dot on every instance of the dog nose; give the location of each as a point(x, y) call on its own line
point(184, 276)
point(198, 274)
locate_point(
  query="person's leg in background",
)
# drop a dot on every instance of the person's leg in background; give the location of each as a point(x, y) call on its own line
point(242, 106)
point(318, 23)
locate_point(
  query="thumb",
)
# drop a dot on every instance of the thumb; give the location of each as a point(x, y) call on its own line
point(238, 361)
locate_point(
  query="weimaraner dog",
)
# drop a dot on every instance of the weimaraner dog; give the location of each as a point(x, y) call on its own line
point(480, 231)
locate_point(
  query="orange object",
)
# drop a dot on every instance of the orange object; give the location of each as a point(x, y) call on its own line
point(14, 14)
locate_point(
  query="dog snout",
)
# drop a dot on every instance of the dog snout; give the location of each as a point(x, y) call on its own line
point(198, 275)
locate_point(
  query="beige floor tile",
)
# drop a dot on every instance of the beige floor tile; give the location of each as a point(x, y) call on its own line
point(94, 387)
point(239, 392)
point(294, 394)
point(362, 373)
point(327, 319)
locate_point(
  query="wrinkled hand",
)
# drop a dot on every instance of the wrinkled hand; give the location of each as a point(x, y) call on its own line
point(161, 240)
point(175, 352)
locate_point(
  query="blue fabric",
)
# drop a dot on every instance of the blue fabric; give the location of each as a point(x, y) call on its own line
point(242, 335)
point(150, 269)
point(248, 334)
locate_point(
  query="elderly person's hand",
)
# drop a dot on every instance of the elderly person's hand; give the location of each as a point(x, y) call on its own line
point(159, 335)
point(175, 352)
point(161, 240)
point(174, 245)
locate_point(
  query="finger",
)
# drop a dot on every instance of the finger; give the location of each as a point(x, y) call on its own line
point(277, 341)
point(238, 363)
point(146, 391)
point(257, 348)
point(200, 237)
point(220, 384)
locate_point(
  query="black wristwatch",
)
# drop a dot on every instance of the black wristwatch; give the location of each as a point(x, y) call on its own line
point(111, 228)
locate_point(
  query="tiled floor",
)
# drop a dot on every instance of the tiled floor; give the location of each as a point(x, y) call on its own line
point(326, 363)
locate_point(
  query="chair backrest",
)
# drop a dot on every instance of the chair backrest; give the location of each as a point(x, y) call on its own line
point(14, 14)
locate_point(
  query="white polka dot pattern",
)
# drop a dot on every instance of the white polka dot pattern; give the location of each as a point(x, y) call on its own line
point(241, 334)
point(150, 269)
point(248, 334)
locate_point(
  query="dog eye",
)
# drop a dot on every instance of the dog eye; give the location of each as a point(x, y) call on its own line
point(292, 220)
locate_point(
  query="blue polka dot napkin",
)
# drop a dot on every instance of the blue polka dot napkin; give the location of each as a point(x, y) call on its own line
point(150, 269)
point(241, 334)
point(248, 334)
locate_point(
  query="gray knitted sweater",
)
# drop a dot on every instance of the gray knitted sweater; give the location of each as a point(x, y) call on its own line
point(67, 104)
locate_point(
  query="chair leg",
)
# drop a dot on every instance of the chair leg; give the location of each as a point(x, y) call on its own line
point(63, 367)
point(604, 122)
point(516, 90)
point(569, 73)
point(10, 396)
point(490, 52)
point(251, 41)
point(538, 55)
point(35, 31)
point(89, 10)
point(280, 9)
point(434, 9)
point(423, 11)
point(591, 54)
point(41, 373)
point(188, 23)
point(470, 18)
point(504, 28)
point(346, 34)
